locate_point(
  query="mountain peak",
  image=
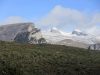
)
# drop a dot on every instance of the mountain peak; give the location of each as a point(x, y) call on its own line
point(55, 30)
point(79, 32)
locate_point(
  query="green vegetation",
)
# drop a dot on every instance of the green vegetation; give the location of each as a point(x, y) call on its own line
point(27, 59)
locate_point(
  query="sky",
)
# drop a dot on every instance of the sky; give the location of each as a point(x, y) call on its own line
point(66, 15)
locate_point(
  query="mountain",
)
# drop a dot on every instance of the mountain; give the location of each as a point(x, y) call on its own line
point(28, 33)
point(20, 32)
point(84, 37)
point(77, 38)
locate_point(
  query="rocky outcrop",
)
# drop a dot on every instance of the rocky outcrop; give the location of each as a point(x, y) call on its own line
point(21, 32)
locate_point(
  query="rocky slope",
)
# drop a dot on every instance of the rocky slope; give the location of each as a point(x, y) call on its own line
point(20, 32)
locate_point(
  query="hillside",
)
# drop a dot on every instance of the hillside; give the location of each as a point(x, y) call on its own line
point(27, 59)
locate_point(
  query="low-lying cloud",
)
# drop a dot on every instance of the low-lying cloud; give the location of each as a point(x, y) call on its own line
point(66, 16)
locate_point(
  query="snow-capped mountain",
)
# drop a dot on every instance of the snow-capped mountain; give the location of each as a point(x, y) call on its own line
point(56, 36)
point(79, 33)
point(84, 37)
point(55, 30)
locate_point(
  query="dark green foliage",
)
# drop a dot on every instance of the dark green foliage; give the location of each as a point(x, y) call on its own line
point(27, 59)
point(42, 41)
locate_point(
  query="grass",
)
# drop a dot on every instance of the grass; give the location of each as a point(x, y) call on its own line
point(27, 59)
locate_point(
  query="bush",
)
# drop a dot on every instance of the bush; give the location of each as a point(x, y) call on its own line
point(28, 59)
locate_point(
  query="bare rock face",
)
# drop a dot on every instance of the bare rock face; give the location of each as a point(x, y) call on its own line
point(21, 32)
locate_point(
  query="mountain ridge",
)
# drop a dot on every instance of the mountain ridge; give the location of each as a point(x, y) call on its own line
point(55, 36)
point(28, 33)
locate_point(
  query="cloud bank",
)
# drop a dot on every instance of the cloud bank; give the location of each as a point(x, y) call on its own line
point(66, 17)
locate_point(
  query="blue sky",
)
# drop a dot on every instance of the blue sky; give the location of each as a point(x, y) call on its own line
point(34, 10)
point(37, 8)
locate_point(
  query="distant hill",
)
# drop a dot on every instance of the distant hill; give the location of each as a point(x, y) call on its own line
point(28, 59)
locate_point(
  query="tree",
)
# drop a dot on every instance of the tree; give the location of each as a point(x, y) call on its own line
point(42, 41)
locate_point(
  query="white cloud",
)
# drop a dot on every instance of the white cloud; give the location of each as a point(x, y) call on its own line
point(66, 16)
point(13, 19)
point(62, 16)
